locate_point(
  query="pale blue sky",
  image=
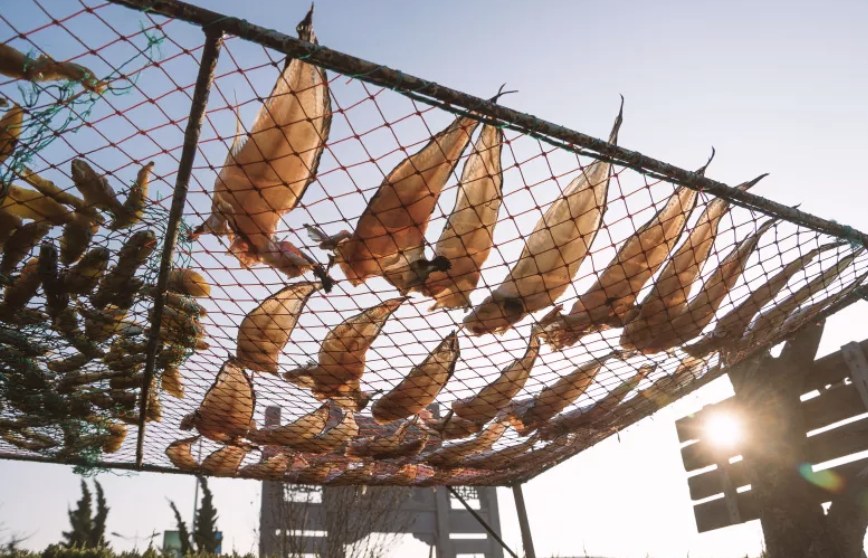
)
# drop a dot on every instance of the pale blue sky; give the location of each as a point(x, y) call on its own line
point(775, 86)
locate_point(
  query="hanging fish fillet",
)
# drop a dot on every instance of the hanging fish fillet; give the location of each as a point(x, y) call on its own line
point(771, 319)
point(273, 469)
point(730, 328)
point(94, 187)
point(265, 331)
point(701, 309)
point(301, 430)
point(266, 175)
point(387, 446)
point(553, 252)
point(528, 415)
point(452, 427)
point(226, 411)
point(452, 454)
point(17, 295)
point(803, 315)
point(332, 438)
point(30, 204)
point(584, 417)
point(469, 234)
point(341, 360)
point(120, 278)
point(56, 295)
point(22, 241)
point(610, 300)
point(17, 65)
point(389, 239)
point(11, 125)
point(130, 213)
point(181, 455)
point(225, 461)
point(359, 476)
point(421, 386)
point(497, 395)
point(8, 225)
point(502, 458)
point(668, 297)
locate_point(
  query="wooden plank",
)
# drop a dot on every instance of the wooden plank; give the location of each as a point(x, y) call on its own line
point(708, 484)
point(715, 515)
point(691, 427)
point(833, 405)
point(829, 370)
point(704, 454)
point(840, 442)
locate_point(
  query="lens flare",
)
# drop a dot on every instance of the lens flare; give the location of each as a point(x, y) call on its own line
point(827, 480)
point(723, 430)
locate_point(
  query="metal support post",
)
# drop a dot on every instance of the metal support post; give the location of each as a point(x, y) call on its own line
point(526, 538)
point(482, 522)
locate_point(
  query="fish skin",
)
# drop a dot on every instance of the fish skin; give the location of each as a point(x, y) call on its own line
point(610, 301)
point(171, 382)
point(272, 469)
point(421, 386)
point(581, 418)
point(496, 396)
point(700, 310)
point(552, 254)
point(671, 290)
point(226, 412)
point(341, 359)
point(389, 239)
point(389, 446)
point(266, 175)
point(468, 237)
point(359, 476)
point(730, 328)
point(266, 330)
point(528, 415)
point(180, 453)
point(11, 124)
point(17, 65)
point(453, 427)
point(301, 430)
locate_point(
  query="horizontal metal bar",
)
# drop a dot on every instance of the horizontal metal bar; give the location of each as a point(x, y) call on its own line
point(526, 123)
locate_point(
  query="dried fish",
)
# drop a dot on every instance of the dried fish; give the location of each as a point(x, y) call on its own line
point(56, 295)
point(700, 309)
point(116, 436)
point(388, 446)
point(807, 313)
point(51, 190)
point(226, 412)
point(332, 438)
point(341, 360)
point(11, 125)
point(77, 235)
point(24, 288)
point(497, 395)
point(17, 65)
point(772, 318)
point(730, 328)
point(272, 468)
point(421, 386)
point(468, 236)
point(132, 255)
point(94, 187)
point(354, 477)
point(584, 417)
point(84, 276)
point(130, 213)
point(188, 282)
point(668, 297)
point(552, 254)
point(172, 382)
point(453, 427)
point(301, 430)
point(389, 239)
point(30, 204)
point(181, 455)
point(267, 328)
point(8, 225)
point(499, 459)
point(225, 461)
point(266, 175)
point(452, 454)
point(609, 302)
point(21, 243)
point(528, 415)
point(99, 325)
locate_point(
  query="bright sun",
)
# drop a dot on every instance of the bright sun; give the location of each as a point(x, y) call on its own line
point(723, 430)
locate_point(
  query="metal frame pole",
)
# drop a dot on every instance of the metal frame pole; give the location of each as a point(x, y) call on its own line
point(207, 68)
point(439, 95)
point(523, 523)
point(482, 522)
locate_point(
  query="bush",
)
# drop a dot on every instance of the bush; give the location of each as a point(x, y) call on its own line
point(57, 551)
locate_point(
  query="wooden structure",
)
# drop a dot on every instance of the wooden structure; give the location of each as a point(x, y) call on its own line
point(832, 425)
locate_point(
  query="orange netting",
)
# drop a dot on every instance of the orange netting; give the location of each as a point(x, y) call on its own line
point(660, 287)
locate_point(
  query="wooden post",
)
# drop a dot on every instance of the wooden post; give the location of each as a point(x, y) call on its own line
point(768, 390)
point(526, 539)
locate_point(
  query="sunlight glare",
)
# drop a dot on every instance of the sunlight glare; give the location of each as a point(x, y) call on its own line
point(723, 430)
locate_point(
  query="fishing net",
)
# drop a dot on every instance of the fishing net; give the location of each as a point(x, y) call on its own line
point(595, 373)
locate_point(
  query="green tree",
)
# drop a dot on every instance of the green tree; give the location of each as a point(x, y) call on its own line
point(97, 534)
point(81, 521)
point(205, 530)
point(183, 533)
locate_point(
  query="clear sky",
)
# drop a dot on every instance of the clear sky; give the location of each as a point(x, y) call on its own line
point(776, 87)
